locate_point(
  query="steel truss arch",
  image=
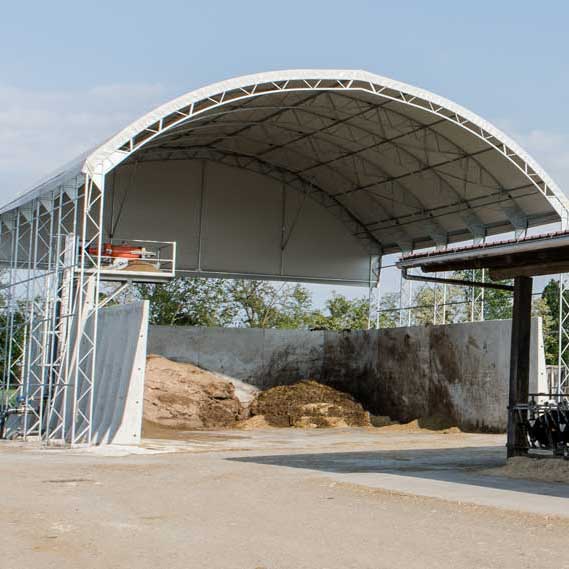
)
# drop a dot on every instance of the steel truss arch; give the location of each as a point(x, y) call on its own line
point(172, 114)
point(355, 153)
point(356, 143)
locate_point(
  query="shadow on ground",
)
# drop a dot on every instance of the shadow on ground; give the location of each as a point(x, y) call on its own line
point(454, 465)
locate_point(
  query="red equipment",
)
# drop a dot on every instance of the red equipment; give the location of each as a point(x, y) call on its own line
point(123, 251)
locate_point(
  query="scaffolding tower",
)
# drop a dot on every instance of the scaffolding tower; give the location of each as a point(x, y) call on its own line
point(54, 263)
point(49, 313)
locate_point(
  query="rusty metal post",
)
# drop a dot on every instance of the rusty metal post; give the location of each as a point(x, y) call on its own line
point(519, 363)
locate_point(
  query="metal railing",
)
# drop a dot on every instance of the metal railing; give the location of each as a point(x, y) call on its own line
point(135, 260)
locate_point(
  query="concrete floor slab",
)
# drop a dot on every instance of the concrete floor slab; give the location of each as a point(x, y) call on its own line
point(279, 499)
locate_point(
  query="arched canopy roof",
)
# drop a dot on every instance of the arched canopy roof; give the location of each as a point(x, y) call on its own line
point(401, 167)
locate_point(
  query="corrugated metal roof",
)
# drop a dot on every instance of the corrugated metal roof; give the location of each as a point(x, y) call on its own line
point(506, 246)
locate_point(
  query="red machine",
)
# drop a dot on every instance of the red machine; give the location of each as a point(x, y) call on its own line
point(123, 251)
point(126, 257)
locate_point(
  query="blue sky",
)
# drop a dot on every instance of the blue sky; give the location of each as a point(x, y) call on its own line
point(72, 73)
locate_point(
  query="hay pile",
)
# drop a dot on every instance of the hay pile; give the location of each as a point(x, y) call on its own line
point(542, 469)
point(183, 396)
point(437, 423)
point(306, 404)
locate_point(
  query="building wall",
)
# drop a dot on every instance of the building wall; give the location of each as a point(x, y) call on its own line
point(457, 371)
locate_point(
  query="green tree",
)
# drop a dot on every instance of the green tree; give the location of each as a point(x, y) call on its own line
point(262, 304)
point(424, 302)
point(13, 317)
point(188, 302)
point(342, 313)
point(497, 303)
point(214, 302)
point(550, 298)
point(389, 310)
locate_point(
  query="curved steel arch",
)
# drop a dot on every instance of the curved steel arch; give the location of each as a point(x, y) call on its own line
point(172, 114)
point(214, 120)
point(97, 163)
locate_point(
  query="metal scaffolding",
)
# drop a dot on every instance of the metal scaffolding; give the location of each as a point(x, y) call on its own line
point(440, 302)
point(49, 314)
point(562, 377)
point(55, 263)
point(398, 167)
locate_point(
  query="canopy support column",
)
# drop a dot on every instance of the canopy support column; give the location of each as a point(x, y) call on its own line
point(519, 364)
point(374, 292)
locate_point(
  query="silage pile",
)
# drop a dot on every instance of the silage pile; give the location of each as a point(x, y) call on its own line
point(306, 404)
point(542, 469)
point(184, 396)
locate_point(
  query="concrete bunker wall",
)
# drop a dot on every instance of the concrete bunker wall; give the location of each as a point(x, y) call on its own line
point(121, 353)
point(459, 371)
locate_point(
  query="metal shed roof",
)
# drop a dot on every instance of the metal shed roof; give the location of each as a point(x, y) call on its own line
point(404, 168)
point(535, 255)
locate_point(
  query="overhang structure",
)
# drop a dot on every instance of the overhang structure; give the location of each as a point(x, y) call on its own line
point(397, 167)
point(542, 254)
point(304, 175)
point(520, 260)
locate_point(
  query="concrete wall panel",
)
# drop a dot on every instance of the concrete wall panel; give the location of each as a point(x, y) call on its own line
point(458, 371)
point(227, 350)
point(290, 355)
point(121, 363)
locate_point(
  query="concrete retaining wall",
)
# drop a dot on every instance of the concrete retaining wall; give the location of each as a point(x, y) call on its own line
point(118, 394)
point(121, 362)
point(460, 371)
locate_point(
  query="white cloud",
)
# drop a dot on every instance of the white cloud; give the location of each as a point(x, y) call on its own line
point(41, 130)
point(549, 148)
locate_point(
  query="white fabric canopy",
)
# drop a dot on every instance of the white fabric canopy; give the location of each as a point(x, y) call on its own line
point(402, 168)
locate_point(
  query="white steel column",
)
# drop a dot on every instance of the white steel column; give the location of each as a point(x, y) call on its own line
point(374, 297)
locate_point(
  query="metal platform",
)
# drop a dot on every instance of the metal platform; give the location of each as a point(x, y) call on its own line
point(156, 264)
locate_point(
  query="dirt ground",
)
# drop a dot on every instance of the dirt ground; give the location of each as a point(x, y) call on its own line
point(279, 499)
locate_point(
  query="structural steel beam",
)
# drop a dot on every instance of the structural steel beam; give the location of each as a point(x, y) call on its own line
point(459, 282)
point(517, 443)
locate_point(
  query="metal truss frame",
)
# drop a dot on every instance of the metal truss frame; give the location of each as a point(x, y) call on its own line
point(562, 379)
point(49, 313)
point(237, 113)
point(407, 307)
point(374, 295)
point(417, 151)
point(440, 294)
point(50, 239)
point(560, 383)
